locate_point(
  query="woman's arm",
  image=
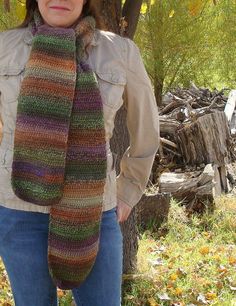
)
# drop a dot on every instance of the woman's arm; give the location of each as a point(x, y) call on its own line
point(143, 127)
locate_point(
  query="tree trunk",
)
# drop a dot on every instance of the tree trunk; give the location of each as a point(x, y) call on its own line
point(119, 143)
point(130, 12)
point(111, 12)
point(6, 5)
point(158, 52)
point(158, 89)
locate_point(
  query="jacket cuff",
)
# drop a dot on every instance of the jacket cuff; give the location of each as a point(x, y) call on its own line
point(127, 191)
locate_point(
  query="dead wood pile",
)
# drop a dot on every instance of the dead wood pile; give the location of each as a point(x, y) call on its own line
point(194, 133)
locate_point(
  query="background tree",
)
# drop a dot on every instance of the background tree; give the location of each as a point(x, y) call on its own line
point(120, 14)
point(171, 35)
point(6, 4)
point(189, 40)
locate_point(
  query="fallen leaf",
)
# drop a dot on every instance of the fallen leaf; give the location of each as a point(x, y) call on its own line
point(207, 235)
point(201, 298)
point(219, 285)
point(232, 260)
point(211, 295)
point(216, 257)
point(178, 291)
point(204, 250)
point(60, 293)
point(143, 8)
point(181, 272)
point(222, 269)
point(164, 297)
point(170, 285)
point(129, 297)
point(171, 14)
point(174, 276)
point(195, 7)
point(156, 262)
point(152, 302)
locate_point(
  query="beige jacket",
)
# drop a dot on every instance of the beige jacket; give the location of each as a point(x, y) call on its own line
point(118, 66)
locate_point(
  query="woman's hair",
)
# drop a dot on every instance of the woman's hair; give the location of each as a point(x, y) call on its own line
point(89, 8)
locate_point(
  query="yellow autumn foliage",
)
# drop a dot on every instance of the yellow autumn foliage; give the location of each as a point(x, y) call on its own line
point(152, 302)
point(20, 9)
point(145, 6)
point(204, 250)
point(171, 14)
point(195, 7)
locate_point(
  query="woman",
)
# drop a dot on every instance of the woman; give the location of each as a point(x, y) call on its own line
point(61, 82)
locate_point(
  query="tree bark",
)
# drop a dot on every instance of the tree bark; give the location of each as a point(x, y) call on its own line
point(111, 13)
point(6, 5)
point(193, 189)
point(153, 209)
point(205, 140)
point(119, 143)
point(131, 12)
point(158, 89)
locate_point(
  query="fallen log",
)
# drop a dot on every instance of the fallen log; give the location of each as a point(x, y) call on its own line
point(194, 189)
point(168, 126)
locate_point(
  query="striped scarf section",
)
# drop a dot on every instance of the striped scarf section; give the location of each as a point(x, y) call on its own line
point(59, 146)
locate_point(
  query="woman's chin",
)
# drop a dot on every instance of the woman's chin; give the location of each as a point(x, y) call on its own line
point(58, 22)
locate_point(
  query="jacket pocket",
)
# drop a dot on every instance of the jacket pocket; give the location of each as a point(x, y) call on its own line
point(10, 81)
point(111, 86)
point(6, 156)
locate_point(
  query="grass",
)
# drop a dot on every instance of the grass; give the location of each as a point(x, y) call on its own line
point(188, 261)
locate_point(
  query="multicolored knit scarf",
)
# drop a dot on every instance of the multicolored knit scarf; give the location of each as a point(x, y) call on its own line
point(60, 148)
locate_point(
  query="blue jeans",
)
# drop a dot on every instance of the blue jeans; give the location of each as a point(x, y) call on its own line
point(23, 248)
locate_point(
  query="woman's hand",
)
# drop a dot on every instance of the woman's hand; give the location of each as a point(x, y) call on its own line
point(123, 211)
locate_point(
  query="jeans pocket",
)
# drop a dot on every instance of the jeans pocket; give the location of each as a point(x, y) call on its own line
point(109, 215)
point(110, 224)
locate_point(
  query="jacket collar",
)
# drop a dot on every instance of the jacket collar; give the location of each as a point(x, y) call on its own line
point(28, 38)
